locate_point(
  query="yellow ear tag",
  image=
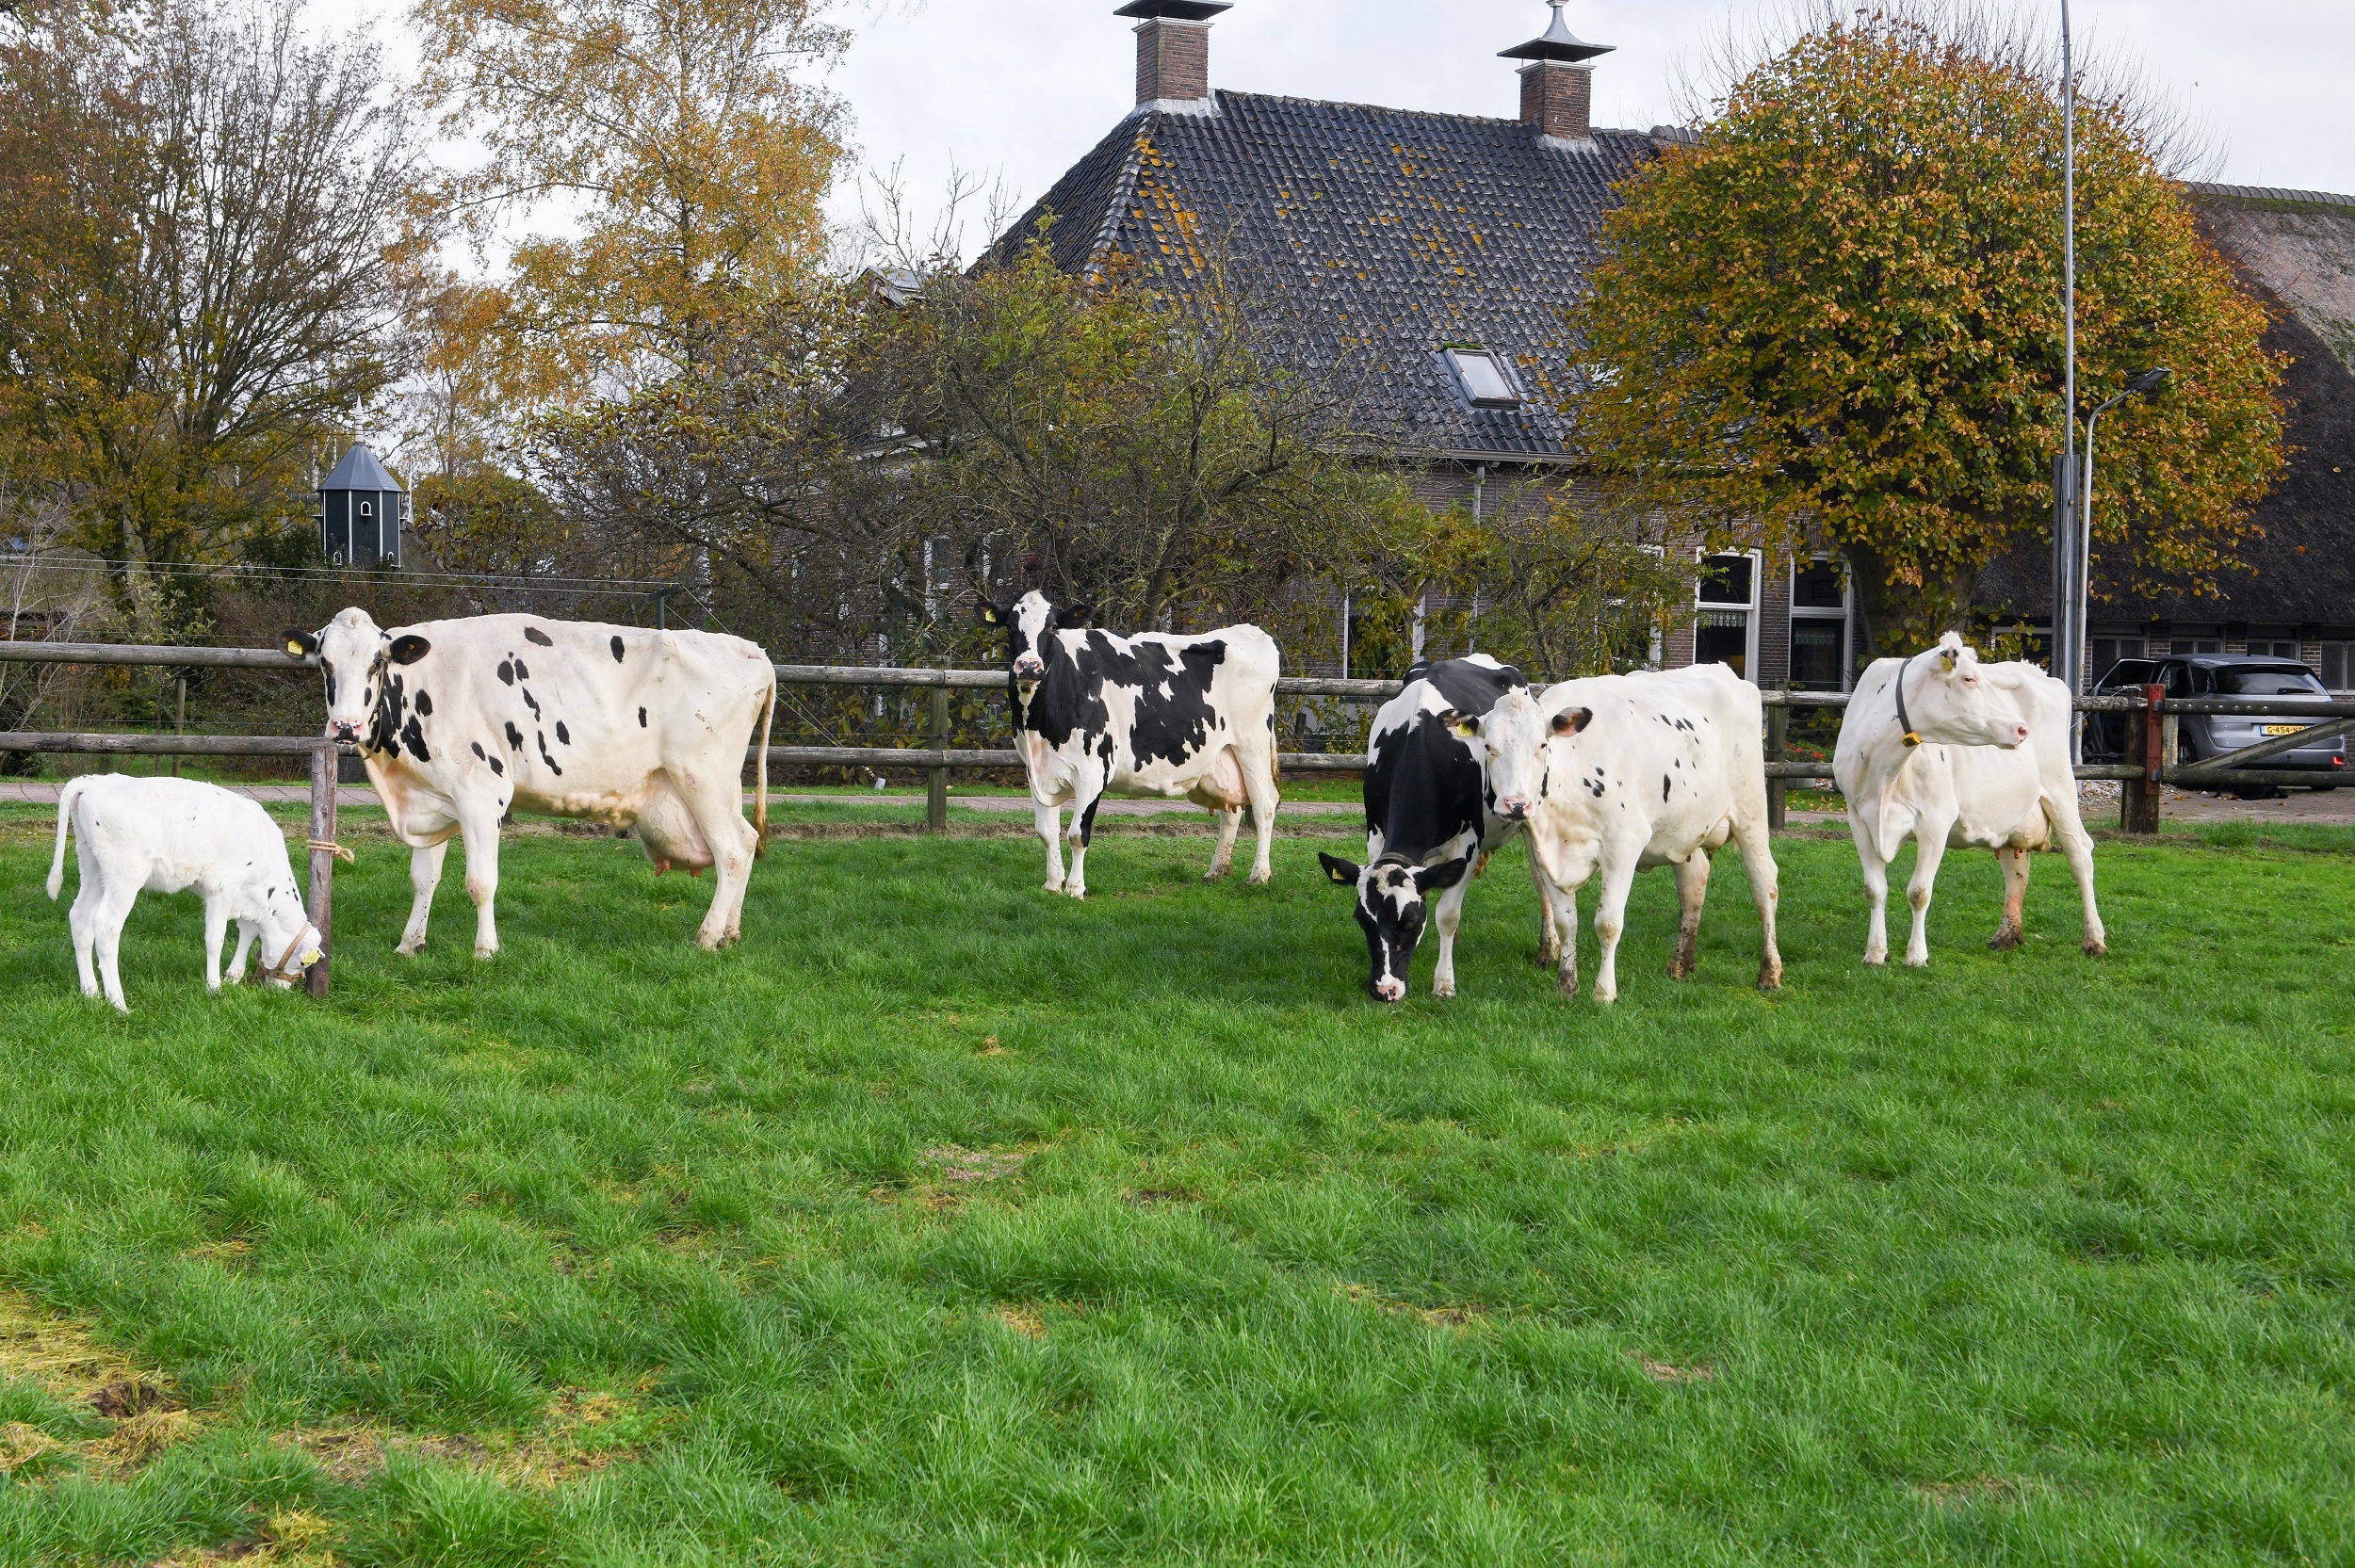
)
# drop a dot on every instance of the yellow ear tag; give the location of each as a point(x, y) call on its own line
point(1911, 740)
point(311, 957)
point(295, 648)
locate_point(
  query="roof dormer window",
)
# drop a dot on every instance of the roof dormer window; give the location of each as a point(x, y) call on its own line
point(1483, 376)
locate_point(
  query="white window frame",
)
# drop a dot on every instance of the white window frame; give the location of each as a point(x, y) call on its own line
point(1748, 612)
point(1456, 354)
point(2345, 648)
point(1846, 615)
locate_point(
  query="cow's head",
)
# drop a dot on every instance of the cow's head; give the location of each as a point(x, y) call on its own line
point(1390, 898)
point(1512, 742)
point(1030, 623)
point(1945, 697)
point(289, 943)
point(353, 653)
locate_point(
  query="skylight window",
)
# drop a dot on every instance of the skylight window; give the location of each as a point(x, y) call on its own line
point(1484, 379)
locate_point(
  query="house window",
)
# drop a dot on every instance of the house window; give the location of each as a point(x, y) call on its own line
point(1725, 631)
point(2192, 639)
point(2338, 666)
point(2110, 647)
point(2275, 642)
point(1819, 627)
point(1484, 379)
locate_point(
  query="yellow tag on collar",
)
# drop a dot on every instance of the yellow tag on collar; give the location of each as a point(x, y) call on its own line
point(1911, 740)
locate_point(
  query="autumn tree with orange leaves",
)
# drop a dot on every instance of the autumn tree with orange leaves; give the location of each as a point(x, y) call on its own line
point(1836, 321)
point(680, 157)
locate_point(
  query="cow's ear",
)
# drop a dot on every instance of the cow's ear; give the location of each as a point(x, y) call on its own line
point(1338, 869)
point(1075, 615)
point(408, 648)
point(1572, 720)
point(992, 615)
point(1433, 877)
point(301, 645)
point(1462, 723)
point(1946, 660)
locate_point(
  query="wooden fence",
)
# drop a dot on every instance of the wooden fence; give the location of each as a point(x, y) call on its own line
point(2152, 759)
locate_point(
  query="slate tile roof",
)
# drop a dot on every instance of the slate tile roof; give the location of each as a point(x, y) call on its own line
point(1374, 237)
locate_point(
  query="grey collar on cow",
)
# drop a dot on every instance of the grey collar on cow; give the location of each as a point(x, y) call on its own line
point(1904, 725)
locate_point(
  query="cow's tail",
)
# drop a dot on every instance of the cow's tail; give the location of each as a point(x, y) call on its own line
point(67, 799)
point(760, 773)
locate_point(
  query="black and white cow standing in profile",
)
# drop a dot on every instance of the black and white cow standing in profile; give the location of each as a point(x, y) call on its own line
point(1155, 714)
point(459, 721)
point(1429, 812)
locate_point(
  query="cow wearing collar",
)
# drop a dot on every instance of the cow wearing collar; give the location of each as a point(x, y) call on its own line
point(1951, 752)
point(1190, 717)
point(461, 721)
point(1430, 814)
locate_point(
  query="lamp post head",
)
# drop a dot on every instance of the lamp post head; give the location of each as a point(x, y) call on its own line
point(2149, 380)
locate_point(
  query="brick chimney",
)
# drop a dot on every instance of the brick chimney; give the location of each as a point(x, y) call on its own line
point(1174, 53)
point(1558, 83)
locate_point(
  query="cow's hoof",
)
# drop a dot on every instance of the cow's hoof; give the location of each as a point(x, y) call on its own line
point(410, 949)
point(2005, 939)
point(2096, 949)
point(1770, 980)
point(1443, 988)
point(1214, 873)
point(483, 952)
point(1922, 962)
point(1261, 878)
point(1606, 998)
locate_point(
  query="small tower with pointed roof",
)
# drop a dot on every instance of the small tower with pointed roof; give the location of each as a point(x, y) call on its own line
point(1558, 83)
point(362, 509)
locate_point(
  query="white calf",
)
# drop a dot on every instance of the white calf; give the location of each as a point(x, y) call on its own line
point(168, 834)
point(1951, 752)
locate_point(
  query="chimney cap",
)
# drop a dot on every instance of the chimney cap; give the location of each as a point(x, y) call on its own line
point(1556, 45)
point(1175, 11)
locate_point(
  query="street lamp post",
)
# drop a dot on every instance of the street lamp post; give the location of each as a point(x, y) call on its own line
point(2143, 385)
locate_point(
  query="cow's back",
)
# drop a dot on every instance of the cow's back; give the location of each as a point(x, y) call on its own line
point(1672, 754)
point(1425, 785)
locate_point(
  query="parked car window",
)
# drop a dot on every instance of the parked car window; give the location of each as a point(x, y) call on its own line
point(2126, 673)
point(2177, 679)
point(2271, 683)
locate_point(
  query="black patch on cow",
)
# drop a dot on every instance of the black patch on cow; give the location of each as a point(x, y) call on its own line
point(506, 672)
point(392, 706)
point(544, 753)
point(498, 767)
point(521, 674)
point(530, 701)
point(1595, 787)
point(533, 634)
point(617, 647)
point(641, 718)
point(563, 738)
point(1663, 789)
point(412, 736)
point(481, 755)
point(514, 736)
point(425, 703)
point(331, 685)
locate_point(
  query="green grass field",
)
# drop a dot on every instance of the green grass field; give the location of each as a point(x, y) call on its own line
point(943, 1222)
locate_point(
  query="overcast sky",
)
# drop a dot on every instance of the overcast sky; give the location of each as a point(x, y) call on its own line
point(1019, 88)
point(1015, 91)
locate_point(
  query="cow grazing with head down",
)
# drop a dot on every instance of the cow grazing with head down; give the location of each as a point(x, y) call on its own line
point(1952, 752)
point(1620, 773)
point(461, 721)
point(1430, 818)
point(1177, 717)
point(133, 835)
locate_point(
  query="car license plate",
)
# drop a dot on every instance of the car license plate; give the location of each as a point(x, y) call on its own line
point(2282, 729)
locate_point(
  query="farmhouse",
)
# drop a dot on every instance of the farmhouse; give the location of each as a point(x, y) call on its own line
point(1430, 256)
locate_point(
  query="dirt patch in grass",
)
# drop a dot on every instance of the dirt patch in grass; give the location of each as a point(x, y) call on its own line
point(60, 1356)
point(586, 1431)
point(1662, 1371)
point(1447, 1316)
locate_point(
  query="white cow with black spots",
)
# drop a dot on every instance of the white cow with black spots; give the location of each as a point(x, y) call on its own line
point(1620, 773)
point(461, 721)
point(166, 835)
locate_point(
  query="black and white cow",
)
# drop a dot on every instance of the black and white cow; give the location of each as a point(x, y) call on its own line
point(1429, 812)
point(459, 721)
point(1177, 717)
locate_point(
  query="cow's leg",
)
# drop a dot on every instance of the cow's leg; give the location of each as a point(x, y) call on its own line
point(1050, 821)
point(1929, 847)
point(1692, 893)
point(1086, 797)
point(717, 805)
point(1758, 863)
point(1876, 867)
point(1618, 879)
point(236, 960)
point(2069, 826)
point(1549, 933)
point(480, 827)
point(2014, 864)
point(82, 921)
point(424, 875)
point(216, 928)
point(1259, 778)
point(107, 919)
point(1447, 913)
point(1222, 858)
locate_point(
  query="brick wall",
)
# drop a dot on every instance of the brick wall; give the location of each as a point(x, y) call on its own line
point(1172, 61)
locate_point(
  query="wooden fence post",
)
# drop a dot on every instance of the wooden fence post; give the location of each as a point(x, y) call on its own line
point(322, 901)
point(2138, 799)
point(1778, 748)
point(936, 779)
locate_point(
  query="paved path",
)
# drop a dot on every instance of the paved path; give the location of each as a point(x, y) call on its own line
point(2331, 809)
